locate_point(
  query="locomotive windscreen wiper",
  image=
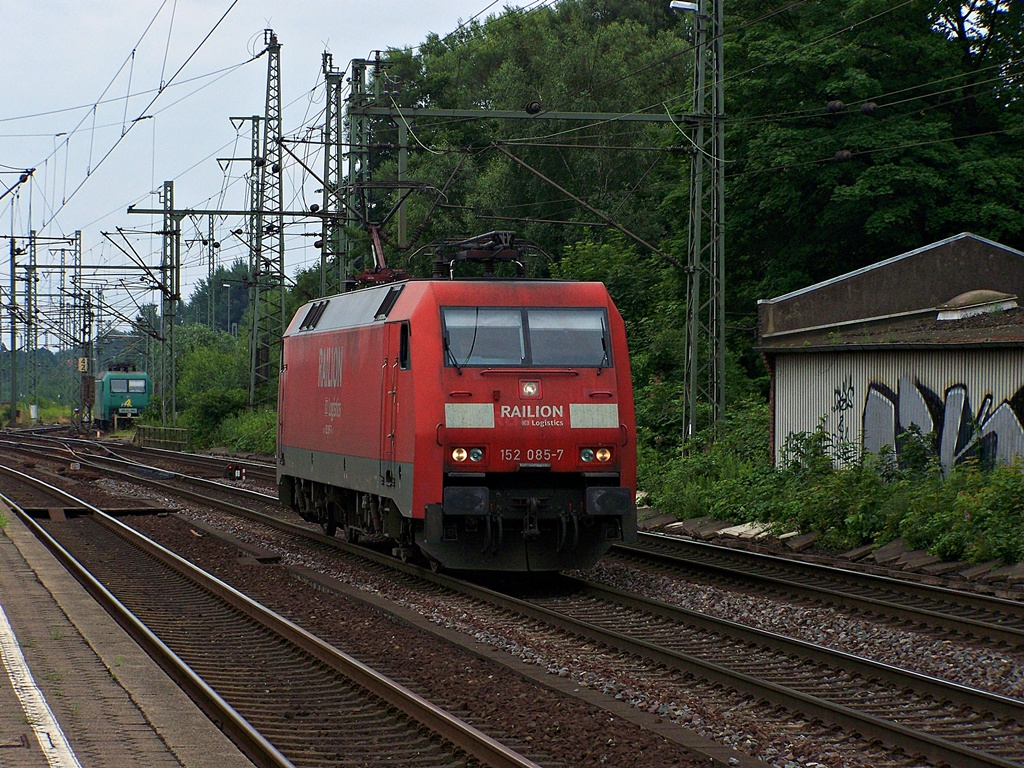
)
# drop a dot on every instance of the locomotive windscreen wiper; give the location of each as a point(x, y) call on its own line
point(449, 354)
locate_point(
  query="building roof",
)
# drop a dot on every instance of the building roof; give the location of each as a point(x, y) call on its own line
point(896, 302)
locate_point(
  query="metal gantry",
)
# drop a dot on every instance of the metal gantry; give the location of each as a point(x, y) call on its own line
point(347, 173)
point(170, 295)
point(356, 154)
point(31, 319)
point(347, 179)
point(704, 359)
point(267, 235)
point(26, 315)
point(333, 242)
point(212, 246)
point(72, 312)
point(15, 252)
point(64, 309)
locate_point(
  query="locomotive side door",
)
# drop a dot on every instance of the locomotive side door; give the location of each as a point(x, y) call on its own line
point(389, 402)
point(397, 358)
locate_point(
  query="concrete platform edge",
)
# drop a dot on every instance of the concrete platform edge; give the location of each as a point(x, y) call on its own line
point(188, 733)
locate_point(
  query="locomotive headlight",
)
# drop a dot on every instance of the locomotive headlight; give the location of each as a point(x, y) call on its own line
point(476, 454)
point(603, 454)
point(460, 454)
point(587, 454)
point(530, 388)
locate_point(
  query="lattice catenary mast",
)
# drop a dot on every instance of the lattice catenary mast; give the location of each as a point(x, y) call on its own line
point(704, 363)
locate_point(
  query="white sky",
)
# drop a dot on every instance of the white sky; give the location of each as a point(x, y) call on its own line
point(60, 57)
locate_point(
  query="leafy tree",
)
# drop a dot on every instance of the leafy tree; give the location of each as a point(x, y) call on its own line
point(579, 55)
point(229, 287)
point(213, 379)
point(860, 130)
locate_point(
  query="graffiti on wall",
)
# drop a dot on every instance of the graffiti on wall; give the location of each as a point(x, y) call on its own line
point(842, 406)
point(992, 434)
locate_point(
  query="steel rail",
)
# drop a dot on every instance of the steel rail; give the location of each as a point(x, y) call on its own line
point(118, 451)
point(867, 725)
point(473, 742)
point(146, 475)
point(933, 747)
point(206, 500)
point(841, 584)
point(1000, 706)
point(258, 749)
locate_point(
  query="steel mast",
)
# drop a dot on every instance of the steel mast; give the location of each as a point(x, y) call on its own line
point(704, 363)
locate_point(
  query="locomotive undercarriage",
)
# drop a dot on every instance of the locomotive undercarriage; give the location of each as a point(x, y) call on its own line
point(359, 516)
point(528, 522)
point(499, 526)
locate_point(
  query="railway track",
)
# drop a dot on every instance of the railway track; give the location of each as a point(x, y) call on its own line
point(221, 466)
point(945, 722)
point(970, 615)
point(910, 712)
point(282, 694)
point(948, 724)
point(171, 482)
point(204, 465)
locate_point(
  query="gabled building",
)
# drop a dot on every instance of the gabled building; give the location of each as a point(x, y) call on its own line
point(933, 337)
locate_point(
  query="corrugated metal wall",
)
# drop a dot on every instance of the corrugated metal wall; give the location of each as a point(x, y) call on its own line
point(867, 397)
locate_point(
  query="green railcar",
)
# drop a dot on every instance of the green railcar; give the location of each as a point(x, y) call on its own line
point(121, 395)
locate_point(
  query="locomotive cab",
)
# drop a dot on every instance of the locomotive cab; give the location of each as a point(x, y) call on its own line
point(121, 394)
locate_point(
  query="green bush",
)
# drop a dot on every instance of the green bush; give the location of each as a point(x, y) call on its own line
point(974, 514)
point(729, 475)
point(997, 516)
point(968, 513)
point(252, 431)
point(208, 410)
point(53, 413)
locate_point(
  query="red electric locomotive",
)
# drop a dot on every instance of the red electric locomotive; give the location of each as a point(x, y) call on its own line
point(487, 423)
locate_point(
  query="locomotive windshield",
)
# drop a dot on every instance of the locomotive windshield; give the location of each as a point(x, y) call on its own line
point(479, 336)
point(531, 336)
point(121, 386)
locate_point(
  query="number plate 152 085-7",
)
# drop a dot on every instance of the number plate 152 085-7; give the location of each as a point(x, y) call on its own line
point(531, 454)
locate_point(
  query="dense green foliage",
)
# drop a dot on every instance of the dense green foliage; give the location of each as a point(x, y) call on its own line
point(967, 514)
point(591, 56)
point(249, 431)
point(931, 117)
point(213, 382)
point(924, 102)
